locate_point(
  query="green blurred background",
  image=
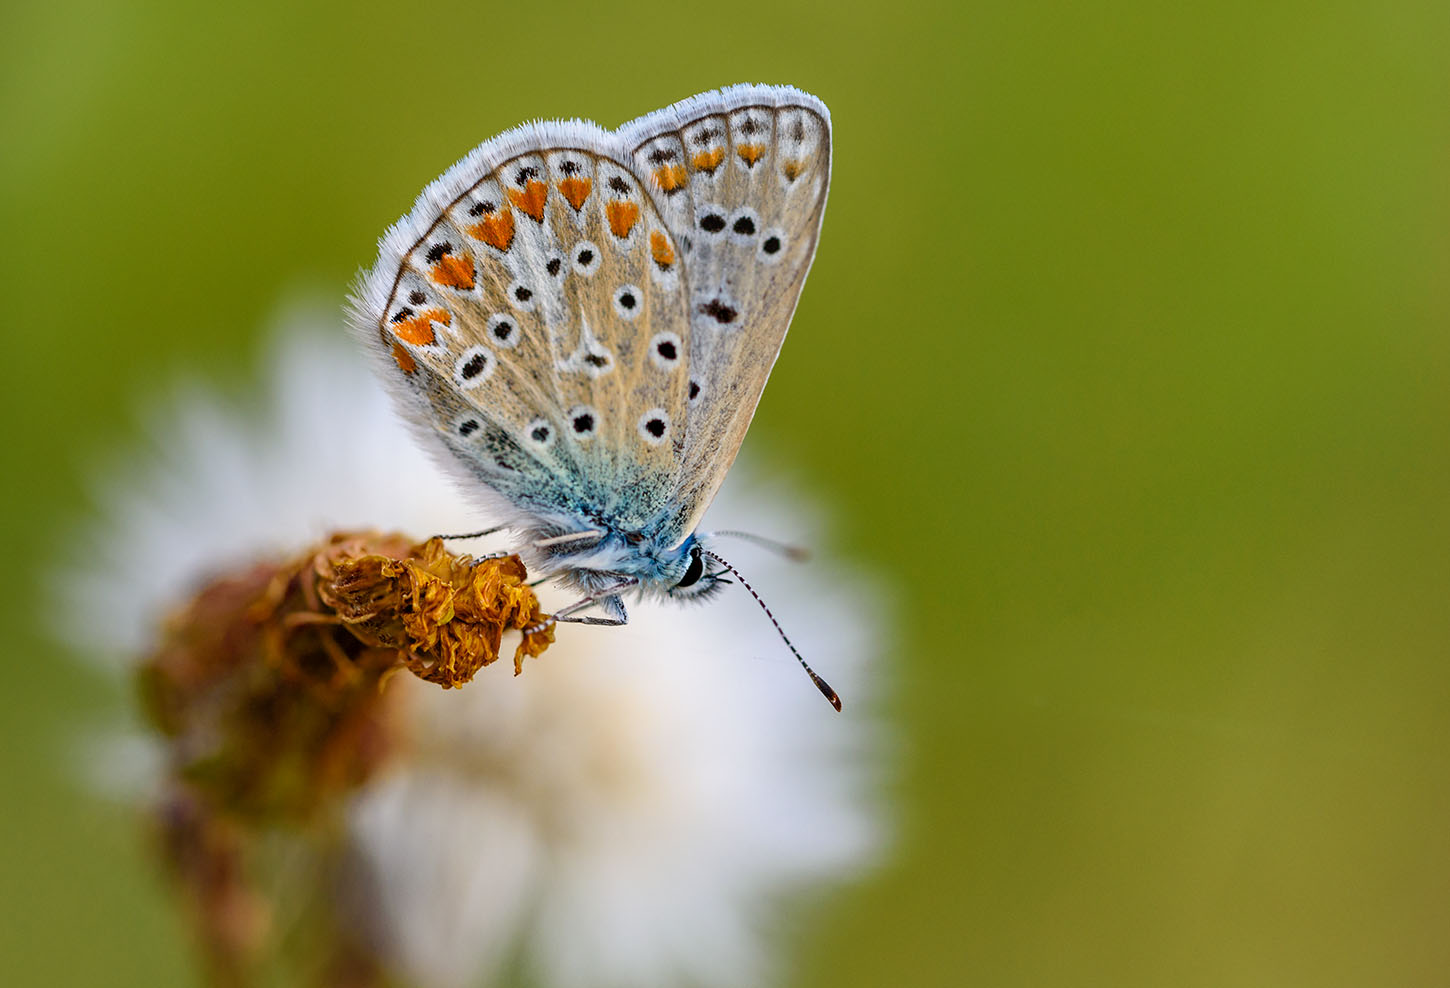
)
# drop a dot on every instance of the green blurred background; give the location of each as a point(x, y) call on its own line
point(1125, 353)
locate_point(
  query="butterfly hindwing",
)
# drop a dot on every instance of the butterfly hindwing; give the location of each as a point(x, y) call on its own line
point(741, 178)
point(620, 342)
point(537, 327)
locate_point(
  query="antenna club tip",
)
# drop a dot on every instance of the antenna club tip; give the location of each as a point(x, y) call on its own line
point(821, 684)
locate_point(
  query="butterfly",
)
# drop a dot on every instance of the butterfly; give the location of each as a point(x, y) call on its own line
point(581, 322)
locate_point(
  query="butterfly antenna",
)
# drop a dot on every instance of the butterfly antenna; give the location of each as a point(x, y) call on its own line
point(821, 684)
point(794, 553)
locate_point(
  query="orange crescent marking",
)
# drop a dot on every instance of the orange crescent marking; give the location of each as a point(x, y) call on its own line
point(750, 153)
point(708, 161)
point(404, 359)
point(670, 177)
point(793, 169)
point(622, 215)
point(660, 249)
point(455, 272)
point(531, 200)
point(575, 190)
point(495, 229)
point(419, 329)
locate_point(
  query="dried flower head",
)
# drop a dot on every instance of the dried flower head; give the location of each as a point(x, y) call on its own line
point(267, 684)
point(447, 613)
point(268, 687)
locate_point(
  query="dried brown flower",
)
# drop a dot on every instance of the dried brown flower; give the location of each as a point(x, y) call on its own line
point(449, 612)
point(269, 687)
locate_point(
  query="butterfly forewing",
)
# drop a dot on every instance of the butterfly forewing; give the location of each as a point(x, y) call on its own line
point(741, 179)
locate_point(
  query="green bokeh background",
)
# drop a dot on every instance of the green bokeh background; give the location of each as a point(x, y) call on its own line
point(1125, 353)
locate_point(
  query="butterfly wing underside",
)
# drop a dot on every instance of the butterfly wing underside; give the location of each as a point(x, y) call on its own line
point(537, 328)
point(741, 178)
point(584, 320)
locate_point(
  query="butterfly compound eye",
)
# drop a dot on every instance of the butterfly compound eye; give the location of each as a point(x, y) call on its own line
point(696, 570)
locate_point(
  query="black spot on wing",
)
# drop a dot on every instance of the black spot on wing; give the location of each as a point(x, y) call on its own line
point(718, 311)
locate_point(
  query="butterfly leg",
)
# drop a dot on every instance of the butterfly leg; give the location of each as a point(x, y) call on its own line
point(472, 535)
point(475, 560)
point(599, 621)
point(608, 600)
point(613, 608)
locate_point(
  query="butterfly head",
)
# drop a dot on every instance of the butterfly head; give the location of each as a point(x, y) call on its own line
point(700, 579)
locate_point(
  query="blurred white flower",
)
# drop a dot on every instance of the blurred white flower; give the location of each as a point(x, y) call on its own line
point(635, 808)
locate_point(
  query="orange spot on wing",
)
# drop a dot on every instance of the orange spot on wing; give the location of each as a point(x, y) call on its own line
point(750, 153)
point(404, 359)
point(622, 215)
point(576, 190)
point(455, 272)
point(660, 249)
point(531, 199)
point(708, 161)
point(670, 177)
point(495, 229)
point(793, 169)
point(419, 329)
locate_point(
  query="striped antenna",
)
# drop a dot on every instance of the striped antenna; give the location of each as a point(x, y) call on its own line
point(821, 684)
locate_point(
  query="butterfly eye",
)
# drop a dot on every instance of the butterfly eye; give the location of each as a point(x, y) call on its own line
point(696, 570)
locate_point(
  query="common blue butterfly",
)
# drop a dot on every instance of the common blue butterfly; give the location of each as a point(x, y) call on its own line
point(582, 322)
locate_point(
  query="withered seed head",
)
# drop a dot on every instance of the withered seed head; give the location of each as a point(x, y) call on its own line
point(447, 611)
point(269, 689)
point(268, 681)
